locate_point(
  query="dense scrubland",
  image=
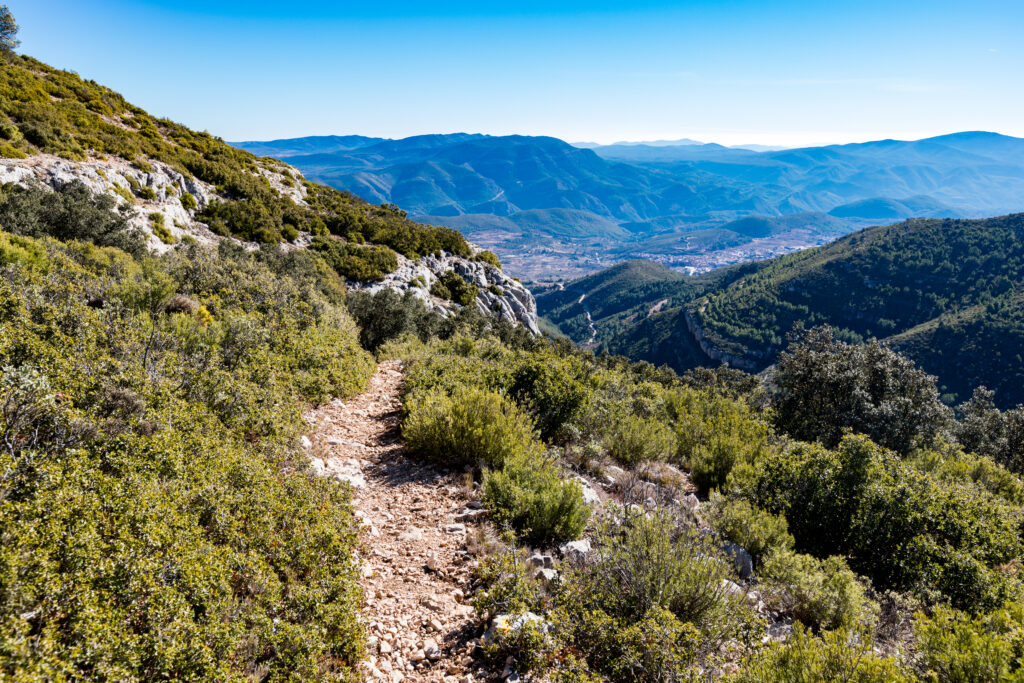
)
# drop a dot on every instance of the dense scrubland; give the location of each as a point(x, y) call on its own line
point(160, 520)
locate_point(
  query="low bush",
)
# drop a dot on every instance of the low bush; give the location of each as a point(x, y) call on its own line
point(388, 315)
point(452, 286)
point(953, 646)
point(354, 262)
point(552, 388)
point(718, 437)
point(488, 257)
point(753, 529)
point(633, 440)
point(70, 213)
point(473, 427)
point(151, 405)
point(159, 226)
point(821, 594)
point(531, 498)
point(901, 527)
point(188, 201)
point(835, 656)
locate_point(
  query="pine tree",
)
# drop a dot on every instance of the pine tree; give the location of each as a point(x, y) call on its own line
point(8, 30)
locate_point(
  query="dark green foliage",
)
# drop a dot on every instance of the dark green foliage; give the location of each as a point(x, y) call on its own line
point(388, 315)
point(454, 287)
point(70, 213)
point(553, 388)
point(354, 262)
point(826, 387)
point(156, 513)
point(985, 430)
point(901, 527)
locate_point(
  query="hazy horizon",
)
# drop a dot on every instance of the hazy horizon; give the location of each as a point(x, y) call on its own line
point(781, 72)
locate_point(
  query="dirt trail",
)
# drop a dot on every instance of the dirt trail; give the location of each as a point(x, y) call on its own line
point(415, 519)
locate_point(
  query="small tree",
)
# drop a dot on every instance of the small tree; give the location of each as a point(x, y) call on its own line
point(825, 387)
point(8, 30)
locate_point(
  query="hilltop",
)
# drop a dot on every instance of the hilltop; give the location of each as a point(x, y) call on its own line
point(171, 182)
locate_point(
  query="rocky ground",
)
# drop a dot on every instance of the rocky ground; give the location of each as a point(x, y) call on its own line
point(416, 567)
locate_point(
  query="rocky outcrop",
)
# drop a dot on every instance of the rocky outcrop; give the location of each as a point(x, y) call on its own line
point(499, 294)
point(118, 178)
point(697, 332)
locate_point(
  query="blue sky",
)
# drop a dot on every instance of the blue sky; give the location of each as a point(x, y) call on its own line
point(733, 71)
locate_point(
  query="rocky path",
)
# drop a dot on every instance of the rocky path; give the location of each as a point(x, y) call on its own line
point(415, 521)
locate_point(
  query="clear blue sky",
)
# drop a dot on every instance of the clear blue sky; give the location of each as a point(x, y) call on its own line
point(732, 71)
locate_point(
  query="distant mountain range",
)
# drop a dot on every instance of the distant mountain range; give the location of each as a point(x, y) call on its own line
point(947, 293)
point(551, 209)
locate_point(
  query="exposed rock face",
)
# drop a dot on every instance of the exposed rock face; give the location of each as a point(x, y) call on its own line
point(512, 302)
point(499, 294)
point(115, 176)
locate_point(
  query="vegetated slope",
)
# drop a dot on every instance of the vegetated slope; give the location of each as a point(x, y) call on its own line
point(945, 291)
point(172, 182)
point(627, 305)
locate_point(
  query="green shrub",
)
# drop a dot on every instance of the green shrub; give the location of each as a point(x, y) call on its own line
point(389, 315)
point(633, 440)
point(471, 427)
point(901, 527)
point(988, 431)
point(159, 225)
point(488, 257)
point(955, 647)
point(147, 192)
point(69, 213)
point(495, 290)
point(356, 263)
point(835, 656)
point(125, 193)
point(188, 201)
point(452, 286)
point(718, 437)
point(821, 594)
point(530, 497)
point(508, 587)
point(151, 406)
point(654, 648)
point(641, 561)
point(951, 464)
point(553, 388)
point(753, 529)
point(827, 387)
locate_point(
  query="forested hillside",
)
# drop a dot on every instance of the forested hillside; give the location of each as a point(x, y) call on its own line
point(946, 292)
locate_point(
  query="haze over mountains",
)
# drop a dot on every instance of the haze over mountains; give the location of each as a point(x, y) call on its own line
point(552, 210)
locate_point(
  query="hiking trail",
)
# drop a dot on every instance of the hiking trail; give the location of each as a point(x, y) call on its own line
point(415, 518)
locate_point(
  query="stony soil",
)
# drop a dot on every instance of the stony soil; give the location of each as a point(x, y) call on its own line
point(415, 519)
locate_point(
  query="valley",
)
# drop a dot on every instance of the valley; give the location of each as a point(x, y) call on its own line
point(552, 211)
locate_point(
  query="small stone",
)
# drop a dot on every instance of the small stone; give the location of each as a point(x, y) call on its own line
point(412, 534)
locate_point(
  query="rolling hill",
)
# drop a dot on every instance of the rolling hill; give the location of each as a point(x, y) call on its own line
point(682, 203)
point(949, 293)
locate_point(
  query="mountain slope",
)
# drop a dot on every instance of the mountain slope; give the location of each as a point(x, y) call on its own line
point(679, 202)
point(947, 292)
